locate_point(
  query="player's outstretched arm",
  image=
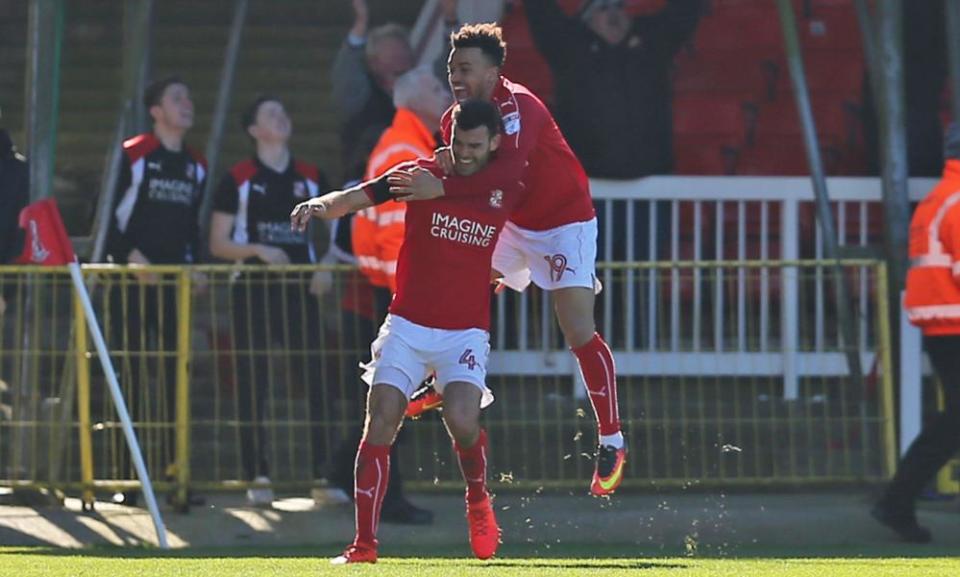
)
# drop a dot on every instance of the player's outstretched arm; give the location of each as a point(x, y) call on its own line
point(330, 206)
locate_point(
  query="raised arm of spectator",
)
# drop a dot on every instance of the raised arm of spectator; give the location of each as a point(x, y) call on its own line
point(451, 22)
point(349, 76)
point(673, 26)
point(558, 37)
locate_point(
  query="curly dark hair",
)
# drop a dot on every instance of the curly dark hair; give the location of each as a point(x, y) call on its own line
point(487, 37)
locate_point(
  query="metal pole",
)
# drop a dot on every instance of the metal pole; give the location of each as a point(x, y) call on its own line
point(121, 405)
point(953, 51)
point(824, 214)
point(137, 38)
point(868, 33)
point(220, 115)
point(893, 142)
point(44, 33)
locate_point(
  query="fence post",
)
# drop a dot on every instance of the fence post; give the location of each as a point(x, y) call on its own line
point(83, 403)
point(885, 347)
point(183, 387)
point(790, 299)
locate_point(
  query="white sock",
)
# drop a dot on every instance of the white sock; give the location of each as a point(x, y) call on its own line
point(615, 440)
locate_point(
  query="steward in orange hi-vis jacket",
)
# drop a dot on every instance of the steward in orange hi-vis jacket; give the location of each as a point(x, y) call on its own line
point(932, 302)
point(933, 282)
point(378, 231)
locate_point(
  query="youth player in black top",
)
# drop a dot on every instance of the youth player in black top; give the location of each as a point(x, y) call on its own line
point(154, 221)
point(272, 313)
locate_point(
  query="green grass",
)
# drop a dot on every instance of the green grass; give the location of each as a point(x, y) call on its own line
point(515, 561)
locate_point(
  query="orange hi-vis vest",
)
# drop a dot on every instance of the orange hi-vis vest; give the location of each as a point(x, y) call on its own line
point(378, 231)
point(932, 299)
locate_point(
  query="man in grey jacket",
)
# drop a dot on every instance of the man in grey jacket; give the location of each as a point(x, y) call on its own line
point(364, 71)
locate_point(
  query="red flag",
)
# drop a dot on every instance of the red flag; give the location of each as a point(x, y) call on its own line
point(46, 242)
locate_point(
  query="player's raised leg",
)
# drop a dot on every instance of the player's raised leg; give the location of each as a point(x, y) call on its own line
point(574, 308)
point(461, 414)
point(385, 407)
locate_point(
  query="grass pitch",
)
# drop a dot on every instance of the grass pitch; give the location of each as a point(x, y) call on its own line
point(517, 561)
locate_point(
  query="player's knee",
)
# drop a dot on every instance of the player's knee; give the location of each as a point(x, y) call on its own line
point(574, 308)
point(385, 409)
point(461, 413)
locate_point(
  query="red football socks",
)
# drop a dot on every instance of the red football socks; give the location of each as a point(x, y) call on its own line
point(370, 487)
point(599, 375)
point(473, 465)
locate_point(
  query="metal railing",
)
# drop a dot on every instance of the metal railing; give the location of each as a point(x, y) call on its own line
point(203, 362)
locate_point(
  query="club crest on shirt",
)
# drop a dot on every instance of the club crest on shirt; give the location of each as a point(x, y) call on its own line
point(299, 190)
point(496, 198)
point(191, 170)
point(511, 122)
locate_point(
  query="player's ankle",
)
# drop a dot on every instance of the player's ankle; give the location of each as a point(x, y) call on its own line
point(615, 440)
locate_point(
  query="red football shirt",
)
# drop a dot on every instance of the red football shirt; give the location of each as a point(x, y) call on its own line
point(534, 150)
point(443, 271)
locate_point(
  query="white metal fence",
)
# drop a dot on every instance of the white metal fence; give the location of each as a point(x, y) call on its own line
point(741, 321)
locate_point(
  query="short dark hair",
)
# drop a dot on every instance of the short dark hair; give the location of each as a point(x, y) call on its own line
point(487, 37)
point(472, 114)
point(153, 94)
point(249, 116)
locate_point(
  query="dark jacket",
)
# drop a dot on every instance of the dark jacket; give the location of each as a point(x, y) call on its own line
point(613, 103)
point(14, 195)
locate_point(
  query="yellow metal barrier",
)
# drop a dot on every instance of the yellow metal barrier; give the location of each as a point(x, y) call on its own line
point(247, 373)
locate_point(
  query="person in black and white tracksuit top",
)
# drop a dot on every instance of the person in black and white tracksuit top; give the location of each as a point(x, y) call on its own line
point(154, 221)
point(275, 315)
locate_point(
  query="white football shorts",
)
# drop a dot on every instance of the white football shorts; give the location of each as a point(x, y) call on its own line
point(552, 259)
point(405, 353)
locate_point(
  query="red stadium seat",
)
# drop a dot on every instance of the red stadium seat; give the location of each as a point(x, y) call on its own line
point(713, 115)
point(705, 155)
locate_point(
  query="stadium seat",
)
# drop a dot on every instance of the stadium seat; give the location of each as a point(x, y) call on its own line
point(786, 156)
point(729, 73)
point(698, 114)
point(705, 155)
point(827, 72)
point(836, 118)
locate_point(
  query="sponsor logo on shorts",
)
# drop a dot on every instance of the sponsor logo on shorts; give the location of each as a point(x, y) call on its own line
point(558, 266)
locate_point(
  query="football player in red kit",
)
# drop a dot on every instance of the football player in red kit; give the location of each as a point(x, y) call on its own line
point(439, 317)
point(551, 236)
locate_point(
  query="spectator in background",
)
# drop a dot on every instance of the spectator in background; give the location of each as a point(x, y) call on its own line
point(14, 195)
point(154, 221)
point(613, 84)
point(932, 300)
point(364, 72)
point(420, 99)
point(251, 225)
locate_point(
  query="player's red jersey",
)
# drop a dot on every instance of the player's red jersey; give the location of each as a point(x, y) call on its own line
point(443, 271)
point(533, 147)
